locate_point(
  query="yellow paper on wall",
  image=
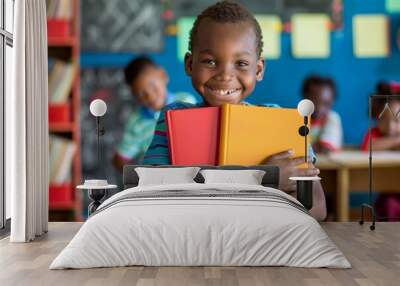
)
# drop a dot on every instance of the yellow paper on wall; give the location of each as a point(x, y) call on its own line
point(271, 27)
point(183, 26)
point(310, 36)
point(370, 36)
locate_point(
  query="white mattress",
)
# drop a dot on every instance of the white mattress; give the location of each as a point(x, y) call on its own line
point(189, 231)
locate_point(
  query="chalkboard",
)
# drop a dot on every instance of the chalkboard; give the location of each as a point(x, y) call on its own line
point(108, 85)
point(183, 8)
point(121, 25)
point(284, 8)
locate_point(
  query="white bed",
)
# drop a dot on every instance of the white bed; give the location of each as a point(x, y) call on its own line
point(201, 224)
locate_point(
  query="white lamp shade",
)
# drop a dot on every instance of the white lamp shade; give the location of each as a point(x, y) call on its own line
point(305, 107)
point(98, 107)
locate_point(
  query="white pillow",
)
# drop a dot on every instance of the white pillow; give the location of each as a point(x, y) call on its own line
point(162, 176)
point(248, 177)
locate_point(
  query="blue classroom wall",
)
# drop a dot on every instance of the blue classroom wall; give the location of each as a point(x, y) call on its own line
point(355, 78)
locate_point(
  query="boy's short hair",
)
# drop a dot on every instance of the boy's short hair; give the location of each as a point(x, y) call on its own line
point(316, 80)
point(136, 67)
point(227, 12)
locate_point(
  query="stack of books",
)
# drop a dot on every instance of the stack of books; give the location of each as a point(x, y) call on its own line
point(232, 134)
point(59, 15)
point(62, 152)
point(60, 9)
point(61, 78)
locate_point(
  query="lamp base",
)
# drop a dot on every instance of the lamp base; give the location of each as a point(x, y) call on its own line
point(305, 190)
point(95, 195)
point(371, 208)
point(305, 193)
point(97, 191)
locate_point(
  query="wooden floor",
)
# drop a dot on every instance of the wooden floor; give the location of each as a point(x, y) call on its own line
point(374, 255)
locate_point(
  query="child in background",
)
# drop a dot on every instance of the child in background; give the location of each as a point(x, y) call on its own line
point(148, 84)
point(385, 136)
point(326, 126)
point(224, 62)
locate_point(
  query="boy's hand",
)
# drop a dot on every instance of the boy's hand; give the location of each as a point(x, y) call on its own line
point(288, 168)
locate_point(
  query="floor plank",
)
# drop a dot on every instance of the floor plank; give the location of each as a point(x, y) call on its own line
point(374, 255)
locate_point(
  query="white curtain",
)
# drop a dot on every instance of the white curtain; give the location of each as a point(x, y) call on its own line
point(27, 139)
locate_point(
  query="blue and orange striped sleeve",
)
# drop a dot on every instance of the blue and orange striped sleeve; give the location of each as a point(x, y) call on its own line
point(158, 152)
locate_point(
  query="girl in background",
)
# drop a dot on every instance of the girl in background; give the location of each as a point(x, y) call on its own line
point(326, 126)
point(386, 136)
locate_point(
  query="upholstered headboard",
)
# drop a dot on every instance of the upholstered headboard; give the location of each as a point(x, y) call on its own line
point(271, 177)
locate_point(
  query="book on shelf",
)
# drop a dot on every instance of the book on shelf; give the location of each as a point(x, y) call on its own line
point(61, 78)
point(59, 9)
point(60, 113)
point(60, 193)
point(62, 152)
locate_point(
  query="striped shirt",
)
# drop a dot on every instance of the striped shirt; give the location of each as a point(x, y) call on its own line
point(158, 152)
point(327, 131)
point(139, 128)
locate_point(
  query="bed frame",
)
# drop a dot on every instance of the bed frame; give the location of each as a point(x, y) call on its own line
point(270, 179)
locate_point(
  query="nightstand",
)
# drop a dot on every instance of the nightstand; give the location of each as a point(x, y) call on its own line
point(97, 189)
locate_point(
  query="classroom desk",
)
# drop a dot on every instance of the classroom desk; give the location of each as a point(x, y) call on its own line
point(346, 171)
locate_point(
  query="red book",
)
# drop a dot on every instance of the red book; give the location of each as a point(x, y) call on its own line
point(59, 113)
point(58, 28)
point(60, 193)
point(193, 135)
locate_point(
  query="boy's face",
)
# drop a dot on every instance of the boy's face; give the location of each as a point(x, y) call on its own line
point(224, 65)
point(387, 124)
point(150, 88)
point(322, 97)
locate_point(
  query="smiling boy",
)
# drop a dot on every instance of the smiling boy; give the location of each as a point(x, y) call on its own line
point(224, 62)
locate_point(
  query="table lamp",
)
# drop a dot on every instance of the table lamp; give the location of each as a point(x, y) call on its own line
point(305, 108)
point(98, 108)
point(369, 206)
point(305, 184)
point(97, 188)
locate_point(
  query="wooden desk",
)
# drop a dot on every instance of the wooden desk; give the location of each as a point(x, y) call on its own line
point(347, 171)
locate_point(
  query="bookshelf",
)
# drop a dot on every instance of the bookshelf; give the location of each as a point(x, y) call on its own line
point(62, 41)
point(62, 127)
point(64, 45)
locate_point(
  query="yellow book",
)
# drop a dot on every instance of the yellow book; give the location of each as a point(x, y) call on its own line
point(250, 134)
